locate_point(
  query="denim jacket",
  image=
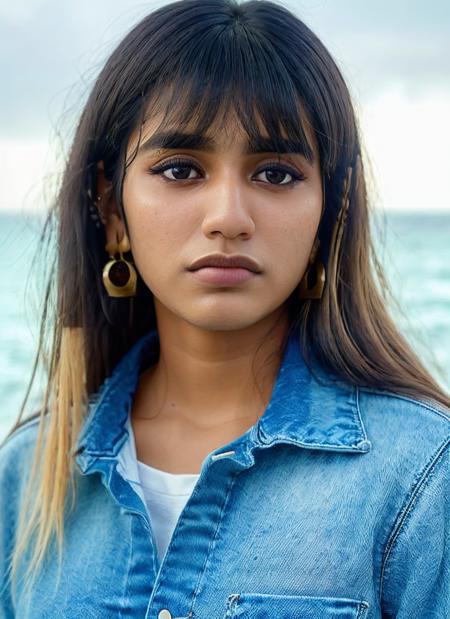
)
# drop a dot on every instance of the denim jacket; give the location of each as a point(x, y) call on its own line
point(335, 504)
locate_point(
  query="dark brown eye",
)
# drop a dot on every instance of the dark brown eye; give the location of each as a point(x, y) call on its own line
point(277, 174)
point(183, 170)
point(180, 172)
point(179, 169)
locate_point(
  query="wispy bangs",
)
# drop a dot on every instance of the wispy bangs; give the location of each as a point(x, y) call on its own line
point(231, 70)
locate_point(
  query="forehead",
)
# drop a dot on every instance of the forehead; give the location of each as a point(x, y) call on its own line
point(212, 130)
point(223, 134)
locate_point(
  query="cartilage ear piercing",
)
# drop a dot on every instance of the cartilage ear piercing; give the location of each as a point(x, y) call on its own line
point(93, 210)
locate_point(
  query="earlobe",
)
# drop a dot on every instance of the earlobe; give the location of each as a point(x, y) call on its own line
point(115, 231)
point(108, 211)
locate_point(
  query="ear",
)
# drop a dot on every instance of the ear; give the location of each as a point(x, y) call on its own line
point(107, 207)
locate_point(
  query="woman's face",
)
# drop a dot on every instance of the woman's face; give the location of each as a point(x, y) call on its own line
point(183, 203)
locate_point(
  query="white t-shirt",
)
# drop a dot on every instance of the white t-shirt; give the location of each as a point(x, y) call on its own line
point(164, 494)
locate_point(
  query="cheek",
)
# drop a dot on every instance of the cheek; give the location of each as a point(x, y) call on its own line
point(290, 235)
point(157, 224)
point(162, 224)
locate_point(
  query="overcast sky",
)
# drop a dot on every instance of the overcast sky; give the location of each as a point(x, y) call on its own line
point(395, 56)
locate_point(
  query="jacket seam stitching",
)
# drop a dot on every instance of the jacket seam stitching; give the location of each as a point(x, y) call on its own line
point(212, 542)
point(284, 439)
point(130, 562)
point(158, 586)
point(408, 507)
point(358, 415)
point(362, 607)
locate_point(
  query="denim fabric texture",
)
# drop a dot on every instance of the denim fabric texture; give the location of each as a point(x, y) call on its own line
point(334, 505)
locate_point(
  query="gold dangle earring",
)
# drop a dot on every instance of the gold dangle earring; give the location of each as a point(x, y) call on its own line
point(313, 281)
point(119, 275)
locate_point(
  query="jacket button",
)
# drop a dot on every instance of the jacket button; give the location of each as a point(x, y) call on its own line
point(164, 614)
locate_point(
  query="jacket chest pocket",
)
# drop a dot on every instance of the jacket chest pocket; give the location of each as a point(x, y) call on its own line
point(268, 606)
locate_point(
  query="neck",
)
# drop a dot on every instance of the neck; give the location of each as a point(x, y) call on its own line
point(206, 379)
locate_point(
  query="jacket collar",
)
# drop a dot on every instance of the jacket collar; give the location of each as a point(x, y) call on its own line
point(308, 407)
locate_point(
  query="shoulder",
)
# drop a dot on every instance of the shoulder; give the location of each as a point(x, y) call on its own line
point(411, 444)
point(411, 458)
point(16, 450)
point(408, 435)
point(16, 461)
point(406, 414)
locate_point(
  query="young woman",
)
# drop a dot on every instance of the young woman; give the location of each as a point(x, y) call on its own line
point(233, 425)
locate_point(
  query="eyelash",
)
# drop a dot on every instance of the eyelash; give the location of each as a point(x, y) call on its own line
point(186, 163)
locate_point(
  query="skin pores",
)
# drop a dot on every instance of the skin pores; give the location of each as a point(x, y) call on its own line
point(221, 202)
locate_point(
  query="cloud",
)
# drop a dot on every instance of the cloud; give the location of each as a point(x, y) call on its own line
point(407, 142)
point(19, 11)
point(50, 54)
point(51, 50)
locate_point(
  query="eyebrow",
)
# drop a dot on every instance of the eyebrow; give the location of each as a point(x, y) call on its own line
point(196, 141)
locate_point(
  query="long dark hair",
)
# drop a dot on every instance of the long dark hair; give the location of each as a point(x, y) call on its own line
point(194, 60)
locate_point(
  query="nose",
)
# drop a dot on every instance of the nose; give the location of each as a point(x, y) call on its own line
point(228, 208)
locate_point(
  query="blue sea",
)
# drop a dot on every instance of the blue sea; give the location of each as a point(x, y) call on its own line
point(414, 247)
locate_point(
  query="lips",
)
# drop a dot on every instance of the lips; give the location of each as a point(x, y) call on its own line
point(226, 261)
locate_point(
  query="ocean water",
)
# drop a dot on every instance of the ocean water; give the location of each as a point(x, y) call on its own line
point(415, 250)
